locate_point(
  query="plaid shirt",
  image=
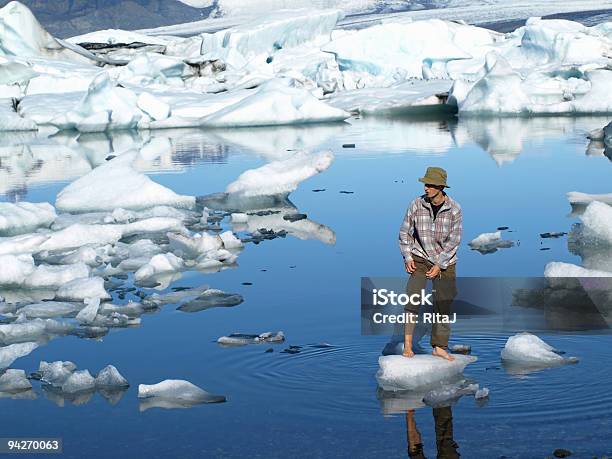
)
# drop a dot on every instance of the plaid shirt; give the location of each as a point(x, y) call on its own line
point(435, 240)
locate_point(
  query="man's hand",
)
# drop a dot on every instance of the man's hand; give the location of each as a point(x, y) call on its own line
point(433, 272)
point(410, 266)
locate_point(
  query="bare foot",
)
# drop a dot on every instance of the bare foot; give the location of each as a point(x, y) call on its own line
point(408, 353)
point(439, 352)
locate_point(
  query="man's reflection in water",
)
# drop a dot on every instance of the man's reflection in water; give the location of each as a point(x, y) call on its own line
point(446, 445)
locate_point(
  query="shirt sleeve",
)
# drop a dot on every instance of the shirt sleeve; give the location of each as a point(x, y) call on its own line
point(406, 240)
point(451, 245)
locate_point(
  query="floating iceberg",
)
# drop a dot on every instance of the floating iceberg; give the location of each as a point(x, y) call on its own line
point(421, 371)
point(12, 352)
point(211, 298)
point(162, 263)
point(275, 103)
point(14, 381)
point(88, 314)
point(117, 184)
point(489, 243)
point(79, 289)
point(241, 339)
point(280, 177)
point(569, 270)
point(110, 378)
point(528, 350)
point(49, 310)
point(597, 223)
point(79, 381)
point(55, 373)
point(33, 330)
point(173, 393)
point(23, 217)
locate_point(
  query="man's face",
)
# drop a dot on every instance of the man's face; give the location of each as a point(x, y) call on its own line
point(432, 190)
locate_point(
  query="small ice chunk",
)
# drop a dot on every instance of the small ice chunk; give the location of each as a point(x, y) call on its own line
point(14, 381)
point(461, 348)
point(22, 217)
point(160, 264)
point(110, 378)
point(88, 314)
point(280, 177)
point(481, 393)
point(79, 381)
point(56, 373)
point(196, 245)
point(48, 310)
point(597, 222)
point(211, 298)
point(230, 241)
point(15, 269)
point(421, 371)
point(8, 354)
point(79, 289)
point(489, 243)
point(178, 393)
point(527, 349)
point(241, 339)
point(53, 276)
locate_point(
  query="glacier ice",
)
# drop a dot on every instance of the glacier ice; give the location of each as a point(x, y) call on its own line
point(79, 289)
point(49, 310)
point(489, 243)
point(173, 393)
point(22, 217)
point(79, 381)
point(55, 373)
point(421, 371)
point(117, 184)
point(527, 349)
point(110, 378)
point(241, 339)
point(282, 176)
point(14, 381)
point(12, 352)
point(88, 314)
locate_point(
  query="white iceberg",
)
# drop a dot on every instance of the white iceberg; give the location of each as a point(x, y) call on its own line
point(88, 314)
point(51, 276)
point(527, 349)
point(79, 381)
point(576, 197)
point(230, 241)
point(110, 378)
point(597, 223)
point(15, 268)
point(55, 373)
point(23, 217)
point(397, 372)
point(12, 352)
point(173, 393)
point(275, 103)
point(162, 263)
point(196, 245)
point(489, 243)
point(117, 184)
point(48, 310)
point(14, 381)
point(242, 339)
point(280, 177)
point(79, 289)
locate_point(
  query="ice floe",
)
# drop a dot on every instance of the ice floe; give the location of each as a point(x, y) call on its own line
point(12, 352)
point(527, 349)
point(14, 381)
point(117, 184)
point(110, 378)
point(489, 243)
point(421, 371)
point(173, 393)
point(280, 177)
point(22, 217)
point(242, 339)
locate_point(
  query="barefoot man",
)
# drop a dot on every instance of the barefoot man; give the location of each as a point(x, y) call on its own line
point(429, 238)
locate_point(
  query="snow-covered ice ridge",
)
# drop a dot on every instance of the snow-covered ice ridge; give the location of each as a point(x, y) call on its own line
point(293, 67)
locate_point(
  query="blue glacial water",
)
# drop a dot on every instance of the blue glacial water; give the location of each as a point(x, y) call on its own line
point(322, 402)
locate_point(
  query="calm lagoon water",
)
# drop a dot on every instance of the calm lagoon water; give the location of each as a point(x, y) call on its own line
point(323, 402)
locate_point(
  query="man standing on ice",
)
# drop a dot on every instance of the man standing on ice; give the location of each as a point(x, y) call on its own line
point(429, 238)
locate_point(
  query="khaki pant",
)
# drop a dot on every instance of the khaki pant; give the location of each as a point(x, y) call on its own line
point(444, 292)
